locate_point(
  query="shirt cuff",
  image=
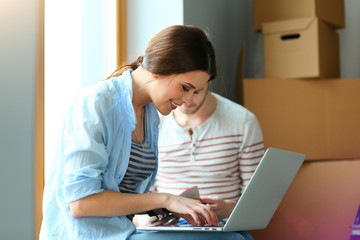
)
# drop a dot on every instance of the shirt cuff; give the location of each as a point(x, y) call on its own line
point(82, 188)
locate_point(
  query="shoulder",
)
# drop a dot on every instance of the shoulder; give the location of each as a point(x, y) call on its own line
point(107, 102)
point(234, 117)
point(230, 109)
point(107, 94)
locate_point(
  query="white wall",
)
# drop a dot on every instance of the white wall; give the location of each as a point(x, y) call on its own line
point(145, 18)
point(18, 58)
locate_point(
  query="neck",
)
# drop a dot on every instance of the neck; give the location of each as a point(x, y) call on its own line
point(141, 97)
point(200, 116)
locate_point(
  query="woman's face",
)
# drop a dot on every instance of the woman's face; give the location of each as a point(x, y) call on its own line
point(170, 92)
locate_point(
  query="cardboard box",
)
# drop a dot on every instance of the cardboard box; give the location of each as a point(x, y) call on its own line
point(301, 48)
point(330, 11)
point(320, 118)
point(321, 203)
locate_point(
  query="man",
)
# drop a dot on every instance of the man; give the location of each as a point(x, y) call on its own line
point(211, 142)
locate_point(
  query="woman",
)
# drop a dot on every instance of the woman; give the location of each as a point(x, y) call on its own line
point(107, 159)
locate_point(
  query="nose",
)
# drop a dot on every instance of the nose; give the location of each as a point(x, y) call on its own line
point(187, 98)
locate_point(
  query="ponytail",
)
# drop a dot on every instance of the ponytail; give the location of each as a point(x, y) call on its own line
point(134, 65)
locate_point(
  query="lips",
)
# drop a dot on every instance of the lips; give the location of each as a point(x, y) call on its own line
point(174, 105)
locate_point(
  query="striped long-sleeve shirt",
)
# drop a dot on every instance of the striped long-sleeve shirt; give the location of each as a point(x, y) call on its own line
point(219, 156)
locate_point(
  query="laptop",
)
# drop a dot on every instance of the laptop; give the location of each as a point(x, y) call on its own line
point(261, 198)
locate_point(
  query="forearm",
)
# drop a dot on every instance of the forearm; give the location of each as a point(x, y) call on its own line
point(108, 204)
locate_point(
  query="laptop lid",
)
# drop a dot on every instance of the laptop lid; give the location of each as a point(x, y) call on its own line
point(267, 187)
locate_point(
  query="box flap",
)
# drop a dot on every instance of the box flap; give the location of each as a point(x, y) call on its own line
point(298, 24)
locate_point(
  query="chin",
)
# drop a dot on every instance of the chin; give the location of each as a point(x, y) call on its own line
point(188, 110)
point(165, 112)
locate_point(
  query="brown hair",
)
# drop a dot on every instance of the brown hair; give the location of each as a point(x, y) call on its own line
point(176, 49)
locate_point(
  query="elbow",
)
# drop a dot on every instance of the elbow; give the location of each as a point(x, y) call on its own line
point(76, 209)
point(85, 207)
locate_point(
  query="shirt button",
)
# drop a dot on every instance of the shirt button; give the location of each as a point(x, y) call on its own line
point(194, 145)
point(193, 153)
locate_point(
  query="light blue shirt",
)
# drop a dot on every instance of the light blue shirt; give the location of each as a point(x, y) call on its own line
point(93, 156)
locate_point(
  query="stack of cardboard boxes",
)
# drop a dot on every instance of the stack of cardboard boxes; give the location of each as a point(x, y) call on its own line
point(300, 40)
point(303, 105)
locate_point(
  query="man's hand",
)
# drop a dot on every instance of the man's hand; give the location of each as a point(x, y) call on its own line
point(146, 221)
point(222, 208)
point(193, 211)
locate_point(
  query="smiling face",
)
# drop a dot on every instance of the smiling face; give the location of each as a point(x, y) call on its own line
point(195, 102)
point(170, 92)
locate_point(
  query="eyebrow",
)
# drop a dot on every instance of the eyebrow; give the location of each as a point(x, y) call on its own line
point(193, 87)
point(190, 85)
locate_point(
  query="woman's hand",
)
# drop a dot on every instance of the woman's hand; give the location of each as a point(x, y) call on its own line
point(222, 208)
point(193, 211)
